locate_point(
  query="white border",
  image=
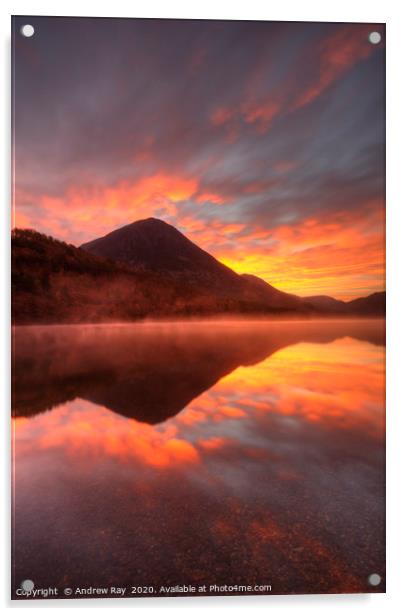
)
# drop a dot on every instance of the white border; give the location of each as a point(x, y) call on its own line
point(388, 11)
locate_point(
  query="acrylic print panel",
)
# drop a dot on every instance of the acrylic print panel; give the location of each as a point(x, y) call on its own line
point(198, 308)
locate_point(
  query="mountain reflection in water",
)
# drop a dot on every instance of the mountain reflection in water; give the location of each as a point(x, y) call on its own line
point(205, 453)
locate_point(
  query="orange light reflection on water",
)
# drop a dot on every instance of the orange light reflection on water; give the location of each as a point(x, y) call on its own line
point(273, 474)
point(339, 384)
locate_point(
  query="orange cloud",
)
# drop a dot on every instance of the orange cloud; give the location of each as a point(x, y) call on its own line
point(211, 198)
point(95, 211)
point(260, 114)
point(221, 116)
point(215, 442)
point(337, 54)
point(21, 220)
point(342, 256)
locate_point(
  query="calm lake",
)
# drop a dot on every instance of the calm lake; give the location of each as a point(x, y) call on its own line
point(203, 453)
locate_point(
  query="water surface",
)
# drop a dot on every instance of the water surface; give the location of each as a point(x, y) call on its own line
point(200, 453)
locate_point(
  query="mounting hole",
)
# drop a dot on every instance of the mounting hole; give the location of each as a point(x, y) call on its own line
point(374, 38)
point(27, 30)
point(374, 579)
point(27, 585)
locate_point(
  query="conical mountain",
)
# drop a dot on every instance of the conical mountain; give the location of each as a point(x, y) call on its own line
point(154, 245)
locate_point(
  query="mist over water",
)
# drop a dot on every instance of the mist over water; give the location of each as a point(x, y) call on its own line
point(200, 453)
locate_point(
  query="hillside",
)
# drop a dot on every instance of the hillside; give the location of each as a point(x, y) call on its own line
point(372, 305)
point(56, 282)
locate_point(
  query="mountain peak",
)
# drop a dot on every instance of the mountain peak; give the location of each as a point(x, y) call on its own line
point(151, 221)
point(153, 244)
point(150, 224)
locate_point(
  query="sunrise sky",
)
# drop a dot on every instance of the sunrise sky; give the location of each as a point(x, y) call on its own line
point(262, 142)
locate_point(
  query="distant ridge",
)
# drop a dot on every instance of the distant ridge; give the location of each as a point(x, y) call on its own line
point(372, 304)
